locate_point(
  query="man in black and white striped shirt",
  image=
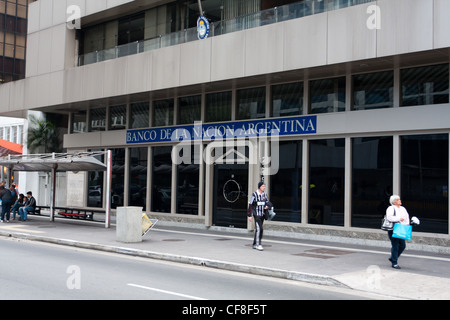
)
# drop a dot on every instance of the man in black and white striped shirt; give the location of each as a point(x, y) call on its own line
point(257, 205)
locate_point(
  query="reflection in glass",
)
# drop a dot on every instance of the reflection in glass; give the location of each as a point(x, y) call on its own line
point(373, 90)
point(424, 180)
point(218, 107)
point(79, 122)
point(98, 119)
point(137, 189)
point(425, 85)
point(372, 163)
point(118, 117)
point(251, 103)
point(117, 177)
point(95, 185)
point(163, 113)
point(139, 115)
point(287, 99)
point(326, 181)
point(286, 185)
point(161, 179)
point(188, 183)
point(189, 109)
point(327, 95)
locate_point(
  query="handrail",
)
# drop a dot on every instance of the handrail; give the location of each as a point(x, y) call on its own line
point(253, 20)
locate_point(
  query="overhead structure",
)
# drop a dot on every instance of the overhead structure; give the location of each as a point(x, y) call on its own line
point(7, 147)
point(63, 162)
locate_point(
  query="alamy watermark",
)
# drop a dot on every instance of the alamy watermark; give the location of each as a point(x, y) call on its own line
point(73, 282)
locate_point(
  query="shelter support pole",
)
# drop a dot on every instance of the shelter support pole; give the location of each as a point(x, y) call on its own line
point(52, 202)
point(108, 188)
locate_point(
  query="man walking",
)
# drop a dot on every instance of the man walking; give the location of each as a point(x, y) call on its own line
point(256, 207)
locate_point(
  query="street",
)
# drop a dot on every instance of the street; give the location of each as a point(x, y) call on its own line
point(42, 271)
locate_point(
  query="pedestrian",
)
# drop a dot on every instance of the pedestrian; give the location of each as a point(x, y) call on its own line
point(29, 205)
point(6, 197)
point(256, 207)
point(396, 213)
point(19, 203)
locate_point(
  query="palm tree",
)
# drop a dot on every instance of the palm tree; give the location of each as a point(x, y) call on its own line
point(42, 135)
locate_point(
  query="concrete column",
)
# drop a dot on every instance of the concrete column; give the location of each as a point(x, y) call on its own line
point(129, 224)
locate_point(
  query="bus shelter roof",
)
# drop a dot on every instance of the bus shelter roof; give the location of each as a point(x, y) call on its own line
point(81, 161)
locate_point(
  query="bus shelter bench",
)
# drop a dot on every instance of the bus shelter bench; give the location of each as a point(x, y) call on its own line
point(37, 210)
point(86, 214)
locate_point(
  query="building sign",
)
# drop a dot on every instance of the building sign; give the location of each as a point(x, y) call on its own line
point(202, 28)
point(226, 130)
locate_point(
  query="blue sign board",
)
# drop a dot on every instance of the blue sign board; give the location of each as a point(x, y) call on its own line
point(226, 130)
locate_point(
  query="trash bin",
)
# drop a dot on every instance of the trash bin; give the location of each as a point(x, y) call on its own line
point(129, 224)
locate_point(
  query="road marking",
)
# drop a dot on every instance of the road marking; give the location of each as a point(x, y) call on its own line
point(166, 292)
point(19, 228)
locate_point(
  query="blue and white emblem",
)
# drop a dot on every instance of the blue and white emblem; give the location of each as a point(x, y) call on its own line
point(202, 28)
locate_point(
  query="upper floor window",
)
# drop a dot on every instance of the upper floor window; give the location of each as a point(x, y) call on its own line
point(373, 90)
point(327, 95)
point(425, 85)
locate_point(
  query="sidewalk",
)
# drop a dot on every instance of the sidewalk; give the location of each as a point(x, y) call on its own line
point(423, 275)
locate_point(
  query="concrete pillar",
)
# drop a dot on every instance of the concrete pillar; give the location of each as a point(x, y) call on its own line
point(129, 224)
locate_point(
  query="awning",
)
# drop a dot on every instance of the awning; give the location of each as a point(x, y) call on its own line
point(7, 147)
point(60, 162)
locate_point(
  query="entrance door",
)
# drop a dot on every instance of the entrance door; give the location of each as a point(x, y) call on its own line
point(230, 195)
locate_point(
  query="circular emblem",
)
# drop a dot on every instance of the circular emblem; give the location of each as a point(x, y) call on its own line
point(231, 191)
point(202, 28)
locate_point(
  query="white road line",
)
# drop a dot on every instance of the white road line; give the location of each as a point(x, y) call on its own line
point(166, 292)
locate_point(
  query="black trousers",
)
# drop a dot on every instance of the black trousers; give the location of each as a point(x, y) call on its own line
point(259, 220)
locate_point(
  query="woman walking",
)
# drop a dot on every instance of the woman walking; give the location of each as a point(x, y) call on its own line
point(396, 213)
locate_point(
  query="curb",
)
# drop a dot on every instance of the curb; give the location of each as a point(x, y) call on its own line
point(197, 261)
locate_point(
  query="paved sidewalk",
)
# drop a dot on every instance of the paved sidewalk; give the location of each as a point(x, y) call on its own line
point(423, 275)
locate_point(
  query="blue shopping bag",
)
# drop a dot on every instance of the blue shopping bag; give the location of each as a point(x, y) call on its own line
point(402, 231)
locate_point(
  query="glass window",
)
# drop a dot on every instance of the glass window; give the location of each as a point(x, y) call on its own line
point(161, 179)
point(326, 181)
point(139, 115)
point(117, 177)
point(424, 180)
point(218, 107)
point(372, 163)
point(163, 113)
point(95, 185)
point(79, 121)
point(425, 85)
point(251, 103)
point(286, 185)
point(188, 183)
point(287, 99)
point(98, 119)
point(189, 109)
point(118, 117)
point(137, 195)
point(327, 95)
point(373, 90)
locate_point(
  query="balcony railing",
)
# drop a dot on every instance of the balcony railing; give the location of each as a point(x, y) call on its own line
point(262, 18)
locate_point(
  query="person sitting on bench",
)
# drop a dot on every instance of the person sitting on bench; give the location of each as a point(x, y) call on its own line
point(30, 205)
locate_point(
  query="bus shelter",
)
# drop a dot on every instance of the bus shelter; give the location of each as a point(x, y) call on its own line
point(63, 162)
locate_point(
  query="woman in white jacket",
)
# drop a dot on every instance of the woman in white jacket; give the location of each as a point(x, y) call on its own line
point(396, 213)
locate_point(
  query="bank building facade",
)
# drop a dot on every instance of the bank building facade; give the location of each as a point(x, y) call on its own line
point(335, 104)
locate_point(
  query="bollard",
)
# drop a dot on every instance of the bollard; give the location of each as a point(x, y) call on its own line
point(129, 224)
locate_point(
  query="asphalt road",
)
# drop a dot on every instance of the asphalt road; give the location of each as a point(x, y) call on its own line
point(41, 271)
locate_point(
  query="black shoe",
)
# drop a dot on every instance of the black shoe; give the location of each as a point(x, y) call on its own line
point(396, 266)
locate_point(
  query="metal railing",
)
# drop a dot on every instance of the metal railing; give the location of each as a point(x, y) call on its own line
point(258, 19)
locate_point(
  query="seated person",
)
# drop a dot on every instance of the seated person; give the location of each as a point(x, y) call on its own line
point(30, 205)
